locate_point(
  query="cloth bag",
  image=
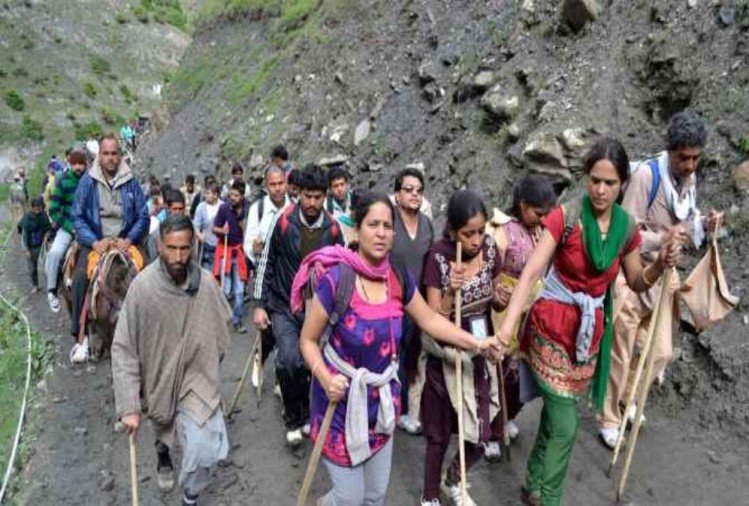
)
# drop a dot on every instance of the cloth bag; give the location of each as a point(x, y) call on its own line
point(706, 292)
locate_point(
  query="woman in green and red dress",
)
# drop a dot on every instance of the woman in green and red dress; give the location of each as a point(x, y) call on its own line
point(566, 343)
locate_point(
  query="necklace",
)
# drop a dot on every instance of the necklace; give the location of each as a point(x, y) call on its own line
point(364, 290)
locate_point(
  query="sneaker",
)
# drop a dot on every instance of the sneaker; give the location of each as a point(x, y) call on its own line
point(409, 425)
point(35, 289)
point(609, 436)
point(277, 391)
point(189, 500)
point(239, 328)
point(257, 369)
point(530, 498)
point(433, 502)
point(492, 451)
point(631, 412)
point(79, 352)
point(306, 429)
point(512, 429)
point(164, 468)
point(294, 437)
point(452, 492)
point(53, 302)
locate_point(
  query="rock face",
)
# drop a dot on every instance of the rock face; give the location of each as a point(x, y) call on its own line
point(577, 13)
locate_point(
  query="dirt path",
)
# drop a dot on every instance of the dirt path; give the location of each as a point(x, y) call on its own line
point(79, 459)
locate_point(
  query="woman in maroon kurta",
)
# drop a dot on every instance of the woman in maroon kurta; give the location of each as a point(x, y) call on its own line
point(585, 243)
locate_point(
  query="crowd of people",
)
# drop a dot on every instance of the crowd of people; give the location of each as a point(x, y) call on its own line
point(355, 295)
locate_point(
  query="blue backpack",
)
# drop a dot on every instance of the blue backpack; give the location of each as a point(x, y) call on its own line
point(653, 164)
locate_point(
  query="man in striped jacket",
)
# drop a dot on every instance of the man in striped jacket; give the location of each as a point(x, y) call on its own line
point(60, 204)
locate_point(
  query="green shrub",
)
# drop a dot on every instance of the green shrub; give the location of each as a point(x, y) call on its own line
point(121, 18)
point(87, 131)
point(141, 14)
point(15, 101)
point(108, 116)
point(743, 146)
point(90, 90)
point(99, 65)
point(32, 129)
point(126, 93)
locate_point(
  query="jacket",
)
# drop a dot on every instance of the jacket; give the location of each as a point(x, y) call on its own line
point(282, 256)
point(61, 203)
point(33, 227)
point(85, 212)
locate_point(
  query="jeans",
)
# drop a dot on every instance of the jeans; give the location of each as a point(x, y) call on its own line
point(365, 484)
point(291, 371)
point(33, 259)
point(55, 256)
point(237, 286)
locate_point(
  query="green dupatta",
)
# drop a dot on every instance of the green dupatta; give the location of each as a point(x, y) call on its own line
point(601, 254)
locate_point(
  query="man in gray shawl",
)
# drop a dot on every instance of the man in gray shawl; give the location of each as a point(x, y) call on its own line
point(170, 337)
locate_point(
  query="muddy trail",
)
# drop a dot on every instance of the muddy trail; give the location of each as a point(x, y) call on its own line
point(78, 458)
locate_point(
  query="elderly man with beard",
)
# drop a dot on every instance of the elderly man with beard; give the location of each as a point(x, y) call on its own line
point(170, 338)
point(109, 211)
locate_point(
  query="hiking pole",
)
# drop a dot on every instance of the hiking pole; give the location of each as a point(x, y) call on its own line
point(644, 354)
point(245, 371)
point(315, 456)
point(459, 381)
point(648, 379)
point(133, 471)
point(223, 260)
point(259, 356)
point(503, 405)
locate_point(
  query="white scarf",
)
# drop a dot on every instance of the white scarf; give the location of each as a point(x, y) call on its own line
point(684, 208)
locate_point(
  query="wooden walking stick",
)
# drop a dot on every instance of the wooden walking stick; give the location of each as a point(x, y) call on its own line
point(644, 354)
point(643, 397)
point(503, 405)
point(259, 355)
point(133, 471)
point(243, 379)
point(459, 381)
point(314, 458)
point(223, 260)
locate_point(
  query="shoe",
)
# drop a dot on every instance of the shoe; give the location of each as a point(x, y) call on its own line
point(609, 436)
point(53, 302)
point(79, 352)
point(35, 289)
point(433, 502)
point(257, 368)
point(631, 412)
point(189, 500)
point(492, 451)
point(277, 391)
point(306, 429)
point(512, 430)
point(660, 378)
point(164, 468)
point(407, 424)
point(239, 328)
point(530, 498)
point(452, 492)
point(294, 437)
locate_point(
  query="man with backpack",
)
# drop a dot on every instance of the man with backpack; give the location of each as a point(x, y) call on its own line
point(295, 232)
point(262, 214)
point(661, 196)
point(338, 203)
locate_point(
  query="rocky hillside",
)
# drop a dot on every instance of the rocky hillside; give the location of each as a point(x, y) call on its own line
point(477, 93)
point(74, 68)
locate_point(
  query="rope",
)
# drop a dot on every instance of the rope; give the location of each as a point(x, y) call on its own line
point(22, 414)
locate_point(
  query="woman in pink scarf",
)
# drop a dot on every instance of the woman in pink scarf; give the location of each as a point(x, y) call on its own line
point(358, 364)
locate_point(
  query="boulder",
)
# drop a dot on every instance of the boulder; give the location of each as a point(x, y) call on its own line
point(473, 86)
point(544, 153)
point(362, 132)
point(741, 176)
point(577, 13)
point(329, 161)
point(427, 73)
point(484, 80)
point(500, 103)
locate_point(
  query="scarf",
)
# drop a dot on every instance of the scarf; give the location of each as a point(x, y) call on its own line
point(683, 208)
point(320, 260)
point(601, 254)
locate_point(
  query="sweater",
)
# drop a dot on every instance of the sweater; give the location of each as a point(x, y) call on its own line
point(61, 203)
point(33, 227)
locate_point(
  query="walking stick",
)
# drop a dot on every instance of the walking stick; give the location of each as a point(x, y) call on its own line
point(245, 371)
point(644, 354)
point(133, 471)
point(459, 380)
point(648, 379)
point(223, 260)
point(314, 458)
point(503, 405)
point(259, 355)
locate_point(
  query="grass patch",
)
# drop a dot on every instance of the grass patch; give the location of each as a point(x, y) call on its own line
point(168, 12)
point(14, 100)
point(32, 129)
point(90, 130)
point(244, 87)
point(90, 90)
point(100, 66)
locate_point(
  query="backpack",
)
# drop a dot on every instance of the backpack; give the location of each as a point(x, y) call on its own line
point(653, 164)
point(572, 216)
point(283, 222)
point(344, 290)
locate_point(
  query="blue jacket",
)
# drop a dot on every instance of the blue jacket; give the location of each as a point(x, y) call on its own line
point(85, 211)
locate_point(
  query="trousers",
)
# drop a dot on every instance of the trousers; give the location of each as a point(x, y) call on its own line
point(33, 259)
point(362, 485)
point(234, 284)
point(291, 371)
point(548, 462)
point(55, 256)
point(80, 285)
